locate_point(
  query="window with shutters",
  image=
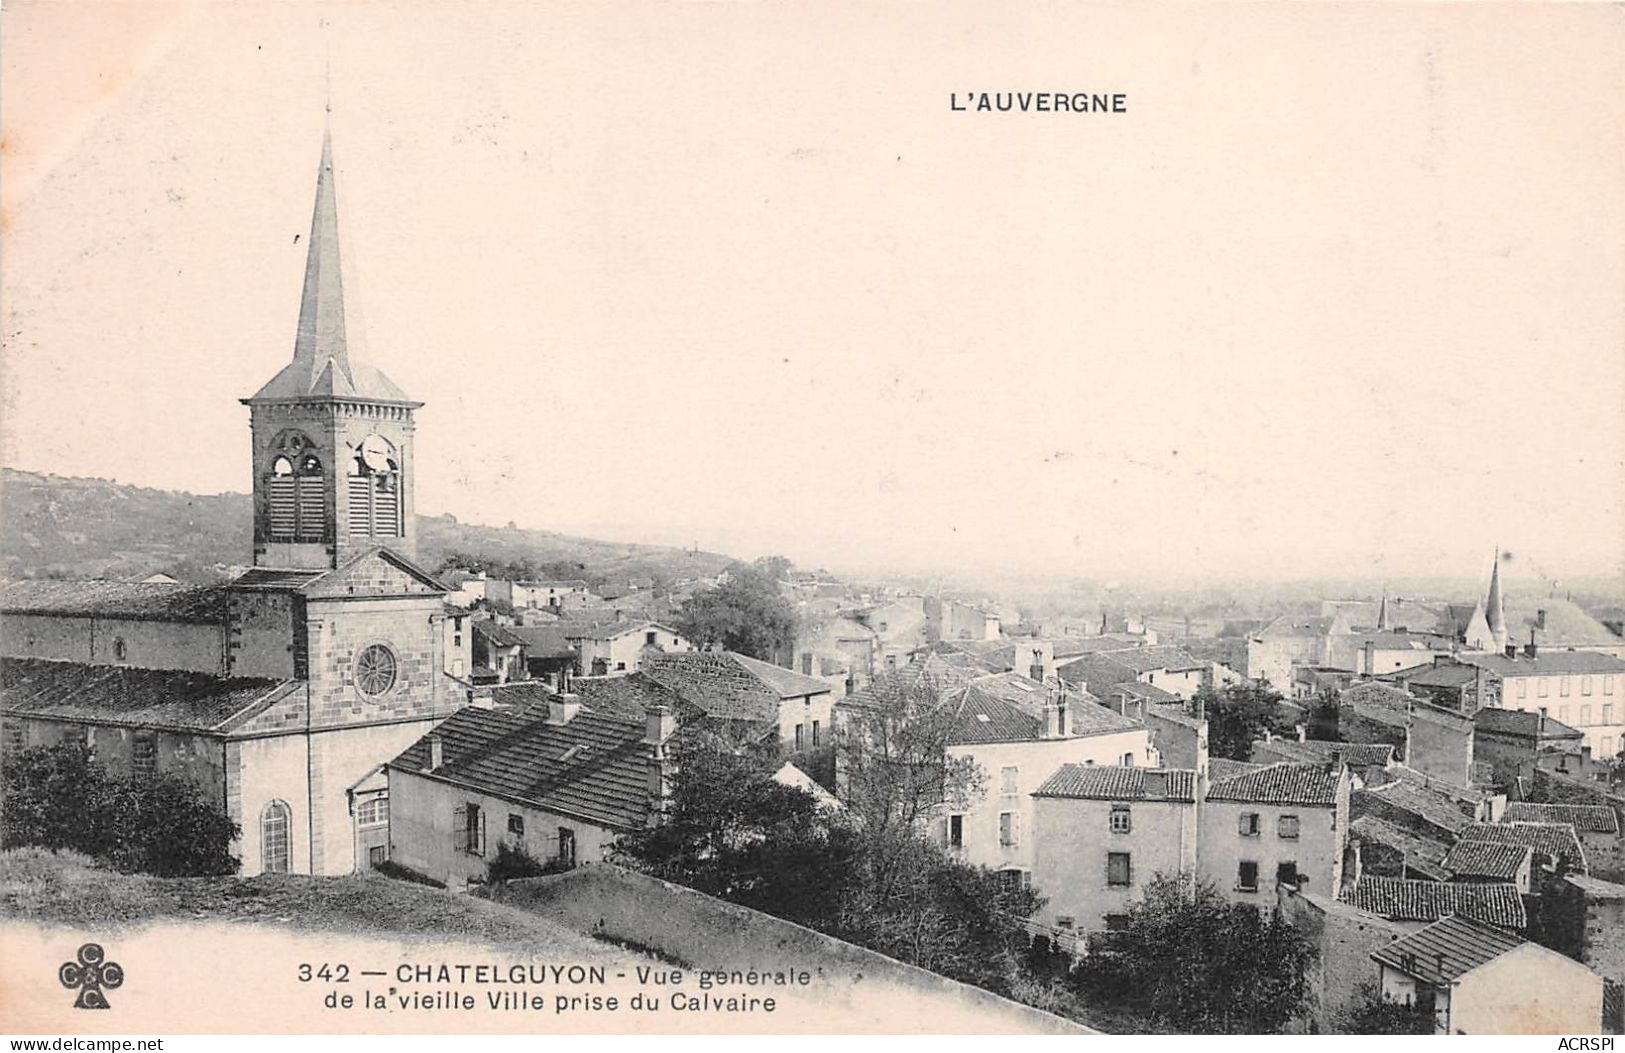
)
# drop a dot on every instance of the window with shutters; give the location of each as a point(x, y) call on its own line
point(295, 490)
point(1122, 820)
point(1286, 827)
point(1248, 824)
point(956, 831)
point(469, 824)
point(1007, 779)
point(1119, 869)
point(801, 730)
point(815, 734)
point(276, 838)
point(1009, 828)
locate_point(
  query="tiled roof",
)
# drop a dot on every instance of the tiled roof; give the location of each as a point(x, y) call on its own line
point(1548, 663)
point(1404, 899)
point(519, 756)
point(1378, 701)
point(1518, 722)
point(148, 601)
point(787, 682)
point(1596, 888)
point(1085, 716)
point(983, 717)
point(1317, 751)
point(1223, 767)
point(726, 685)
point(1437, 809)
point(629, 697)
point(1073, 646)
point(1308, 784)
point(542, 641)
point(1555, 839)
point(1023, 692)
point(1175, 712)
point(1486, 859)
point(1447, 950)
point(1101, 782)
point(1586, 818)
point(1450, 675)
point(147, 698)
point(1146, 692)
point(1421, 854)
point(1148, 659)
point(275, 578)
point(499, 634)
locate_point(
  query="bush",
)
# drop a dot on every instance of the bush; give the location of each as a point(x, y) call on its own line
point(512, 862)
point(391, 869)
point(1372, 1014)
point(58, 797)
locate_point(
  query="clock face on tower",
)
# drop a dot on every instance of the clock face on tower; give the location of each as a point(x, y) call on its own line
point(375, 453)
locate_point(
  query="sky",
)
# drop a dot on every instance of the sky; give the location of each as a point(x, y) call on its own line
point(1340, 293)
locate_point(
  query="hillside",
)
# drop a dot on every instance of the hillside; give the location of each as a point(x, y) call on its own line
point(55, 526)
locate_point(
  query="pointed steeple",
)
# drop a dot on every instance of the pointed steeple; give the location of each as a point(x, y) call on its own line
point(321, 365)
point(1384, 623)
point(320, 343)
point(1494, 608)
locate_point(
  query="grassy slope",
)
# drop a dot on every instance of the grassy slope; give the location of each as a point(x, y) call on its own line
point(63, 887)
point(86, 528)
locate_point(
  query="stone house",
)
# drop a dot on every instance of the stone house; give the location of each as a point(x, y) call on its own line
point(728, 686)
point(559, 781)
point(619, 647)
point(1481, 980)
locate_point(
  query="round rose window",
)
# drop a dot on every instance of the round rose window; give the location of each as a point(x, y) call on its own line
point(375, 670)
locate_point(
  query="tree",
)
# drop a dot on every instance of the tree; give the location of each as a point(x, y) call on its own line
point(894, 768)
point(1237, 715)
point(59, 797)
point(731, 831)
point(1373, 1014)
point(1189, 959)
point(748, 614)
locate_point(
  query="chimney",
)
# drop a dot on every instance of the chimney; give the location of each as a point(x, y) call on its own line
point(1438, 963)
point(1540, 619)
point(1335, 765)
point(1303, 732)
point(561, 709)
point(1512, 651)
point(1370, 657)
point(1053, 728)
point(659, 724)
point(437, 752)
point(1529, 649)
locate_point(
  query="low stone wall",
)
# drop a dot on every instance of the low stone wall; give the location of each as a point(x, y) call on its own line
point(865, 991)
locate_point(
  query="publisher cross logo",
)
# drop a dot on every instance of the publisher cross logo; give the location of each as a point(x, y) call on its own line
point(90, 974)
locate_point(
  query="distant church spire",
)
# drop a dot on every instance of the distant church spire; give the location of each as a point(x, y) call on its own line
point(1494, 608)
point(1384, 622)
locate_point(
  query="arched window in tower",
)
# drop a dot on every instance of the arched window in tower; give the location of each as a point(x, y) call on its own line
point(294, 499)
point(375, 491)
point(275, 838)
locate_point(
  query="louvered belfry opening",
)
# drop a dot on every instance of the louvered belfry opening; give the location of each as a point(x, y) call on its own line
point(375, 502)
point(295, 492)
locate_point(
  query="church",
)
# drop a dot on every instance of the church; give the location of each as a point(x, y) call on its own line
point(282, 692)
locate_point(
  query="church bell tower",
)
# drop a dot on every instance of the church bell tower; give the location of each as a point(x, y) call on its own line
point(332, 436)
